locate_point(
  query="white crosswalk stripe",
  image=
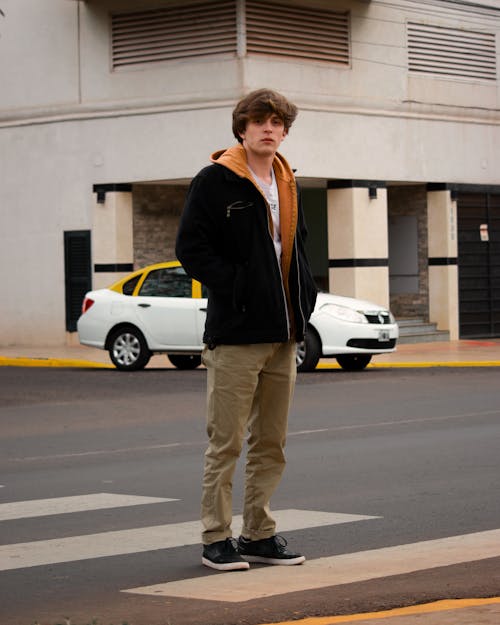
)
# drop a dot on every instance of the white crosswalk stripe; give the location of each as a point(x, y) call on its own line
point(137, 540)
point(332, 571)
point(76, 503)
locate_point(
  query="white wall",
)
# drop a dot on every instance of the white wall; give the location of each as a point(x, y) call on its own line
point(38, 54)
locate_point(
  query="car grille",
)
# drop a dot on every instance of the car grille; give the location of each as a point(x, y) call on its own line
point(381, 318)
point(371, 343)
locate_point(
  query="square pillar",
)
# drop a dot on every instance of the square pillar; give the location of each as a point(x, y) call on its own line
point(112, 234)
point(443, 260)
point(358, 246)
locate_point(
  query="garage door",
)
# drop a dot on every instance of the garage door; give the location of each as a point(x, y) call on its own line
point(479, 264)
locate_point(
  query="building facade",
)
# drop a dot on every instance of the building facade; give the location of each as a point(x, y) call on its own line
point(109, 107)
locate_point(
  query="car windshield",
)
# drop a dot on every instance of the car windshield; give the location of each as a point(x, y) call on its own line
point(168, 282)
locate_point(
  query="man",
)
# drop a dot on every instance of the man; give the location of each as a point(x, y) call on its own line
point(242, 235)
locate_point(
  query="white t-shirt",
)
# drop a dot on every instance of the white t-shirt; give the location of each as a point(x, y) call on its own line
point(271, 193)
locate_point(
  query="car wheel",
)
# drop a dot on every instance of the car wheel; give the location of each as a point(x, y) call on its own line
point(181, 361)
point(353, 362)
point(128, 349)
point(308, 352)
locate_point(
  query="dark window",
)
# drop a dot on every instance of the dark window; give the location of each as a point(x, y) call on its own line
point(78, 276)
point(170, 282)
point(129, 286)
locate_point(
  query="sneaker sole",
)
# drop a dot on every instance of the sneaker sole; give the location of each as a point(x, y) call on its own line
point(226, 566)
point(278, 561)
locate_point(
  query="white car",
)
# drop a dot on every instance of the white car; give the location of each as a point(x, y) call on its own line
point(160, 309)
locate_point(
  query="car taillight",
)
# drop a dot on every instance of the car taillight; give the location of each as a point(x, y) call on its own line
point(87, 303)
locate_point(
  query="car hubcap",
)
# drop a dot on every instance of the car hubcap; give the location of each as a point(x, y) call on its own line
point(300, 354)
point(126, 349)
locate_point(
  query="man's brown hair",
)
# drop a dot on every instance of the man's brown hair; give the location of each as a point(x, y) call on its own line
point(261, 104)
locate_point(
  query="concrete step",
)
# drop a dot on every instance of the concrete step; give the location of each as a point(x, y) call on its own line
point(420, 331)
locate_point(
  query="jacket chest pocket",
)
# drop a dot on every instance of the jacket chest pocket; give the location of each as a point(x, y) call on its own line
point(236, 210)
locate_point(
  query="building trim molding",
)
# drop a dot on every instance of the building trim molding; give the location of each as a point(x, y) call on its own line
point(113, 267)
point(437, 261)
point(338, 263)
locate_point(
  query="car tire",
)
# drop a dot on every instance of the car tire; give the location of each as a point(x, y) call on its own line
point(128, 349)
point(353, 362)
point(182, 361)
point(309, 352)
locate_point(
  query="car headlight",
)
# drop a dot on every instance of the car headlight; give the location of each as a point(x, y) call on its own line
point(344, 313)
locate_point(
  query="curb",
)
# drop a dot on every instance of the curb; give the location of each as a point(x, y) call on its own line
point(451, 363)
point(51, 362)
point(424, 608)
point(24, 361)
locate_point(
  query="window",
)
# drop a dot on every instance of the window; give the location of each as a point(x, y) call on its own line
point(170, 282)
point(129, 286)
point(451, 51)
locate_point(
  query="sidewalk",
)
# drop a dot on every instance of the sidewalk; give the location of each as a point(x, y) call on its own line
point(450, 353)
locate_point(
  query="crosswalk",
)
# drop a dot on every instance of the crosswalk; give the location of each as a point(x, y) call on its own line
point(348, 568)
point(259, 581)
point(123, 542)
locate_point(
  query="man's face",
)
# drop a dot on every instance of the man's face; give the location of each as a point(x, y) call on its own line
point(262, 137)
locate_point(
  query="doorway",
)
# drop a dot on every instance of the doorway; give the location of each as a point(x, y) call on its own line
point(478, 216)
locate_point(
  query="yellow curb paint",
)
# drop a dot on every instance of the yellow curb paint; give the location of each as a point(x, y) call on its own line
point(50, 362)
point(413, 365)
point(67, 362)
point(425, 608)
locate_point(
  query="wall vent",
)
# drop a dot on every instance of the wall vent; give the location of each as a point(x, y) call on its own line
point(292, 31)
point(451, 51)
point(176, 32)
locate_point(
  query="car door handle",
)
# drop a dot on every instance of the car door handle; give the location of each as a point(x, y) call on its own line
point(203, 309)
point(144, 305)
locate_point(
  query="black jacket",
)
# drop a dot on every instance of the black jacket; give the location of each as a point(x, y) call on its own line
point(224, 241)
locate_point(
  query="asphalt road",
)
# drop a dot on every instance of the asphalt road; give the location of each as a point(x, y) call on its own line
point(411, 454)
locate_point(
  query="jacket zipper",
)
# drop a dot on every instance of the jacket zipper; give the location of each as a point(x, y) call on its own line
point(299, 285)
point(287, 315)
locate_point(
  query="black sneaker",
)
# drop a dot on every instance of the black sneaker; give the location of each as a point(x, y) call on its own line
point(269, 550)
point(223, 556)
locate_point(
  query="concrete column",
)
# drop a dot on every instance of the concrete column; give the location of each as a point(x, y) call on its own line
point(112, 234)
point(443, 260)
point(358, 247)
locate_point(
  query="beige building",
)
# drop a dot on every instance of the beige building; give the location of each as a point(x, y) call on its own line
point(109, 107)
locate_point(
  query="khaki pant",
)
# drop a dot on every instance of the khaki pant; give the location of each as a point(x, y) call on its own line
point(248, 387)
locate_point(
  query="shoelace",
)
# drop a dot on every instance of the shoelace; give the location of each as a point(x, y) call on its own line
point(231, 545)
point(280, 543)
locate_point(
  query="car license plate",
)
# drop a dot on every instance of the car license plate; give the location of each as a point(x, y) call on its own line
point(383, 336)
